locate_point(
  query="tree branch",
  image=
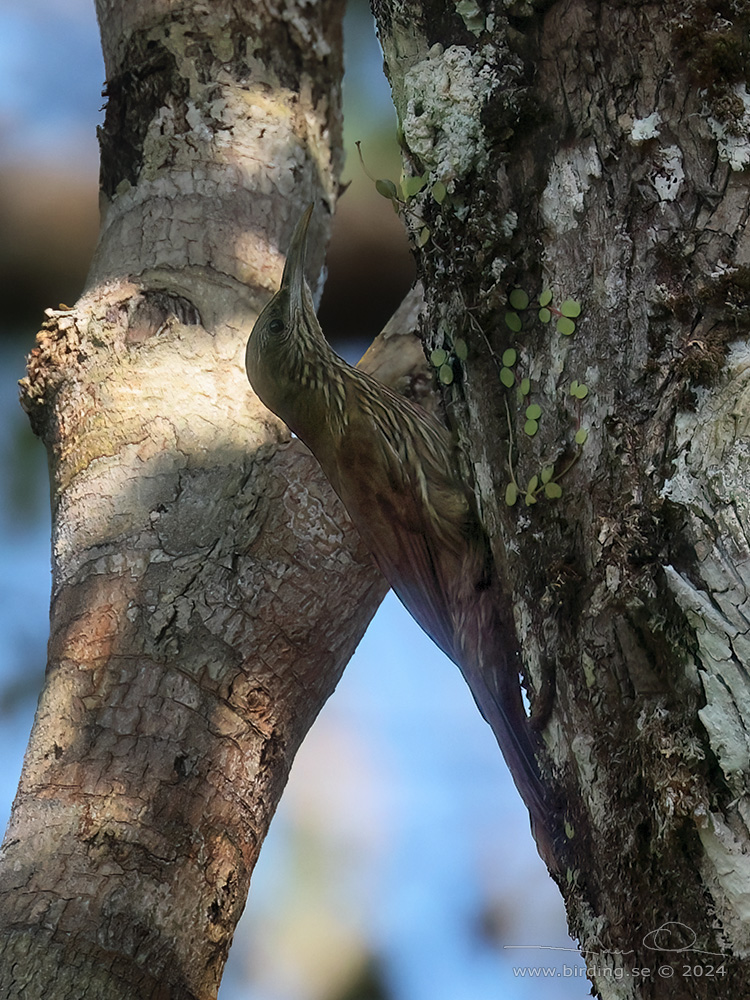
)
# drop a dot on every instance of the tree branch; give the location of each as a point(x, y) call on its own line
point(208, 588)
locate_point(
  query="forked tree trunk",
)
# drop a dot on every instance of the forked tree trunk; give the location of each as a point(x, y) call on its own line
point(207, 590)
point(600, 151)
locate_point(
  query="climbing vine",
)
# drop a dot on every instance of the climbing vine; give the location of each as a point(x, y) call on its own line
point(544, 481)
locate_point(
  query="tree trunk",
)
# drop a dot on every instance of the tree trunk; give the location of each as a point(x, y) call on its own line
point(597, 150)
point(208, 588)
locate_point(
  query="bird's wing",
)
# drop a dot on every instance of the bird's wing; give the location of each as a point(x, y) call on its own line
point(407, 503)
point(404, 495)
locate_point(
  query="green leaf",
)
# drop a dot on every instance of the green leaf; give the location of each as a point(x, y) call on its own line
point(413, 185)
point(438, 357)
point(553, 491)
point(445, 374)
point(530, 428)
point(513, 322)
point(507, 377)
point(387, 189)
point(439, 191)
point(571, 308)
point(529, 499)
point(581, 436)
point(511, 494)
point(544, 315)
point(525, 387)
point(545, 297)
point(509, 357)
point(578, 390)
point(424, 235)
point(460, 349)
point(518, 298)
point(533, 483)
point(533, 412)
point(547, 473)
point(565, 326)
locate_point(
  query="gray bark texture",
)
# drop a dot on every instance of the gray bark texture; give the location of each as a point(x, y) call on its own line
point(207, 586)
point(600, 152)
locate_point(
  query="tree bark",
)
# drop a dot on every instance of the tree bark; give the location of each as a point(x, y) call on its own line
point(208, 588)
point(598, 150)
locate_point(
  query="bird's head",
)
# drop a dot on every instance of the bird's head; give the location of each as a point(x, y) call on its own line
point(286, 332)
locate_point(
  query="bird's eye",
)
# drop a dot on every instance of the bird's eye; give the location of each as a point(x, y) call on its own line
point(275, 326)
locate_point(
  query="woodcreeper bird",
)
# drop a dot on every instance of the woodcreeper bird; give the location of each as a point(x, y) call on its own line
point(394, 467)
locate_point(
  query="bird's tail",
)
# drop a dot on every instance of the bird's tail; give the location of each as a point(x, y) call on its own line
point(502, 708)
point(489, 661)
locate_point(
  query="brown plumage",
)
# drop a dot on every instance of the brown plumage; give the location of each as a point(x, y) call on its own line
point(394, 468)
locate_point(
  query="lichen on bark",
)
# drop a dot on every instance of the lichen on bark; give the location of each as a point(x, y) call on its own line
point(605, 156)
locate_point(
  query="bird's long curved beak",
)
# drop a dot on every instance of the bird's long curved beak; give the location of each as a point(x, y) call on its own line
point(293, 278)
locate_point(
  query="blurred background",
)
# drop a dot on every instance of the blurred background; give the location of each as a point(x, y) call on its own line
point(400, 864)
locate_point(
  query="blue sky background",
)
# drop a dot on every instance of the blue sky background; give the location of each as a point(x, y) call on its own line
point(400, 838)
